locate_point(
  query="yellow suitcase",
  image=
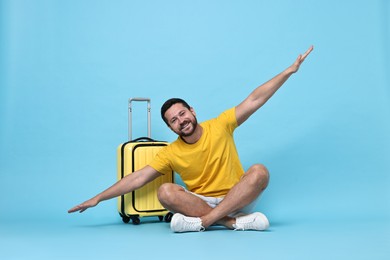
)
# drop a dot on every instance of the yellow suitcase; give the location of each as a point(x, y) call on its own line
point(132, 156)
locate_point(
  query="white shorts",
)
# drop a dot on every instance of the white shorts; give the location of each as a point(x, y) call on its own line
point(213, 202)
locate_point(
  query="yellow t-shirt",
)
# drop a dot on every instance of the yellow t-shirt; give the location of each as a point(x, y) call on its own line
point(209, 167)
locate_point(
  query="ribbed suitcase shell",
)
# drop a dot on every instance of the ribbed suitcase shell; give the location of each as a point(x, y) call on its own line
point(132, 156)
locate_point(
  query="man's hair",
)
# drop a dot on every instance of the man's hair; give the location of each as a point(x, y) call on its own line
point(169, 103)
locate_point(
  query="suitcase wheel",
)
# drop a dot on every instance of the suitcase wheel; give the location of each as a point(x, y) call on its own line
point(125, 219)
point(135, 220)
point(168, 217)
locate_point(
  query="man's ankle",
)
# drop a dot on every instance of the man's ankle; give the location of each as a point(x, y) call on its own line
point(228, 222)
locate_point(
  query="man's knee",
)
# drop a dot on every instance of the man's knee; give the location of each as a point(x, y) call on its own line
point(166, 191)
point(260, 175)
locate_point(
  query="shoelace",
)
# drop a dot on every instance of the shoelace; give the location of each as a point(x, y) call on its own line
point(189, 224)
point(193, 225)
point(242, 225)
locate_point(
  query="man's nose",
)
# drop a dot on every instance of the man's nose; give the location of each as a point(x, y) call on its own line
point(180, 120)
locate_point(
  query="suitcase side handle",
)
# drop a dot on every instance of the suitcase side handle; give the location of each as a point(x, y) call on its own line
point(143, 139)
point(130, 114)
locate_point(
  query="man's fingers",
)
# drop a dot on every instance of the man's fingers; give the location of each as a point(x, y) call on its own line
point(299, 59)
point(83, 209)
point(302, 57)
point(72, 210)
point(77, 208)
point(307, 53)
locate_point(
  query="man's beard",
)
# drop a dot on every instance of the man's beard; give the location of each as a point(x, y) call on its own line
point(192, 124)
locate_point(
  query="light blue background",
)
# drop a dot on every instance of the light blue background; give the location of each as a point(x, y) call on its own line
point(67, 69)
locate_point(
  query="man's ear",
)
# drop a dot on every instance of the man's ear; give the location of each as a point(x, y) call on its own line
point(192, 111)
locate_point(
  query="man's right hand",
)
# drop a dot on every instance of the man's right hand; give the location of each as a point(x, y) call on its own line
point(128, 184)
point(84, 206)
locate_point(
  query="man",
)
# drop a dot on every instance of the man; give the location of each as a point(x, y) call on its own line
point(218, 190)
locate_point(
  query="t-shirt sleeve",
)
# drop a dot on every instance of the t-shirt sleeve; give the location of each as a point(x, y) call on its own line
point(228, 119)
point(161, 162)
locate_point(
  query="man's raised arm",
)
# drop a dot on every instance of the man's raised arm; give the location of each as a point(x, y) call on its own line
point(129, 183)
point(264, 92)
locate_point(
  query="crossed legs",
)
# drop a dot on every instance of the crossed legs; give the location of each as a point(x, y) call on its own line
point(174, 198)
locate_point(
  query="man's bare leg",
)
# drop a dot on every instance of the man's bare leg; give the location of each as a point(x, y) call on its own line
point(254, 181)
point(176, 199)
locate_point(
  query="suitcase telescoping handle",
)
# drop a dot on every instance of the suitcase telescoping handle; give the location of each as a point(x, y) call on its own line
point(131, 112)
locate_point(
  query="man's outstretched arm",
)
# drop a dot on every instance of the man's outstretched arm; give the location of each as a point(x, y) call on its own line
point(264, 92)
point(129, 183)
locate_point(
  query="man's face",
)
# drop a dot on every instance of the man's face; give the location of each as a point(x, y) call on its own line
point(181, 120)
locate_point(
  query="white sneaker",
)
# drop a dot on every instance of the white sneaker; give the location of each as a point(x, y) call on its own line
point(181, 223)
point(254, 221)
